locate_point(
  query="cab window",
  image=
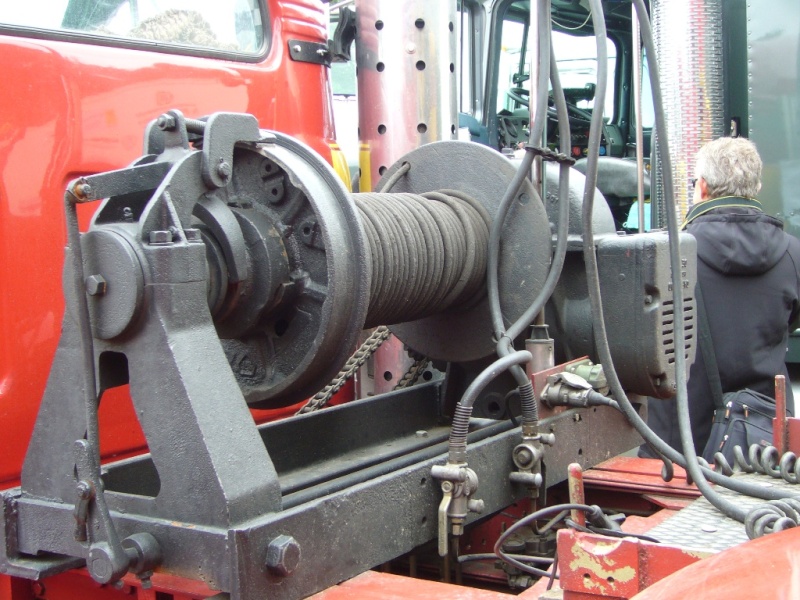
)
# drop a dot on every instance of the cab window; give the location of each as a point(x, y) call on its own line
point(234, 26)
point(576, 57)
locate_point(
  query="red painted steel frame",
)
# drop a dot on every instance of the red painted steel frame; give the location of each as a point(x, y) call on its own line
point(71, 109)
point(595, 566)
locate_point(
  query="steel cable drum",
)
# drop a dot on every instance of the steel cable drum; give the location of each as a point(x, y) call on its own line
point(464, 333)
point(428, 253)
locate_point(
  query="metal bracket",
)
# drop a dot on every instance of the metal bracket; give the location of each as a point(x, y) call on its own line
point(310, 52)
point(222, 132)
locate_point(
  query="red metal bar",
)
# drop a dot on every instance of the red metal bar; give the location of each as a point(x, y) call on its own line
point(780, 425)
point(576, 492)
point(793, 434)
point(385, 586)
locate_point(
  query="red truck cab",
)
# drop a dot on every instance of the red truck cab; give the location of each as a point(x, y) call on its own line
point(82, 80)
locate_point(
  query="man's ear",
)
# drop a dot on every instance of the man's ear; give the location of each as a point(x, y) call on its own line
point(701, 183)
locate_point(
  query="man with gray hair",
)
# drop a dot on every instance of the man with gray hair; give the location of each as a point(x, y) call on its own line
point(748, 269)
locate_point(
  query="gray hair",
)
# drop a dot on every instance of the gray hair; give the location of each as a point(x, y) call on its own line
point(730, 167)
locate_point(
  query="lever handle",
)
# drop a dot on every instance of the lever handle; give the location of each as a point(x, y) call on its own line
point(444, 506)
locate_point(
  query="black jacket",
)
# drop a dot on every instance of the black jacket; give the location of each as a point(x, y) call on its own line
point(749, 271)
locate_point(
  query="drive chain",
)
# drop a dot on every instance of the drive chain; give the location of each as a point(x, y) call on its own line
point(353, 364)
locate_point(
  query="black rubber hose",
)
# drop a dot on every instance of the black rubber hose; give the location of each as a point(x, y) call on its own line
point(530, 411)
point(535, 516)
point(592, 278)
point(495, 235)
point(522, 173)
point(463, 411)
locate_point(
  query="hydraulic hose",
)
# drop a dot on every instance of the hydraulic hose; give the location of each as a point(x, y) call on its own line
point(522, 173)
point(593, 280)
point(463, 410)
point(697, 472)
point(562, 510)
point(505, 337)
point(562, 234)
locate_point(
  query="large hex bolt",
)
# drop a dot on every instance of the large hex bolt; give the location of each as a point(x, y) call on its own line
point(160, 238)
point(283, 555)
point(96, 285)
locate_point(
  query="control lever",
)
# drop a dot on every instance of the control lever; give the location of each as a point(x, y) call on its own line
point(459, 483)
point(109, 559)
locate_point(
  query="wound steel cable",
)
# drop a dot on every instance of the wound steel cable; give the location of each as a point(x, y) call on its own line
point(428, 252)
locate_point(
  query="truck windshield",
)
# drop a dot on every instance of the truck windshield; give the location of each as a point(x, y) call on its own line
point(577, 64)
point(227, 25)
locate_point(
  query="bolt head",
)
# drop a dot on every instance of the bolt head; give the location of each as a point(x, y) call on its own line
point(147, 583)
point(84, 190)
point(166, 122)
point(524, 455)
point(223, 169)
point(193, 235)
point(161, 237)
point(283, 555)
point(96, 285)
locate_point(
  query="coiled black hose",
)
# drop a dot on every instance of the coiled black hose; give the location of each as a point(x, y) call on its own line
point(698, 473)
point(765, 460)
point(773, 516)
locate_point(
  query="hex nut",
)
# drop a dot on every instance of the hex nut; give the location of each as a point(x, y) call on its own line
point(96, 285)
point(166, 122)
point(283, 555)
point(161, 237)
point(82, 190)
point(193, 235)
